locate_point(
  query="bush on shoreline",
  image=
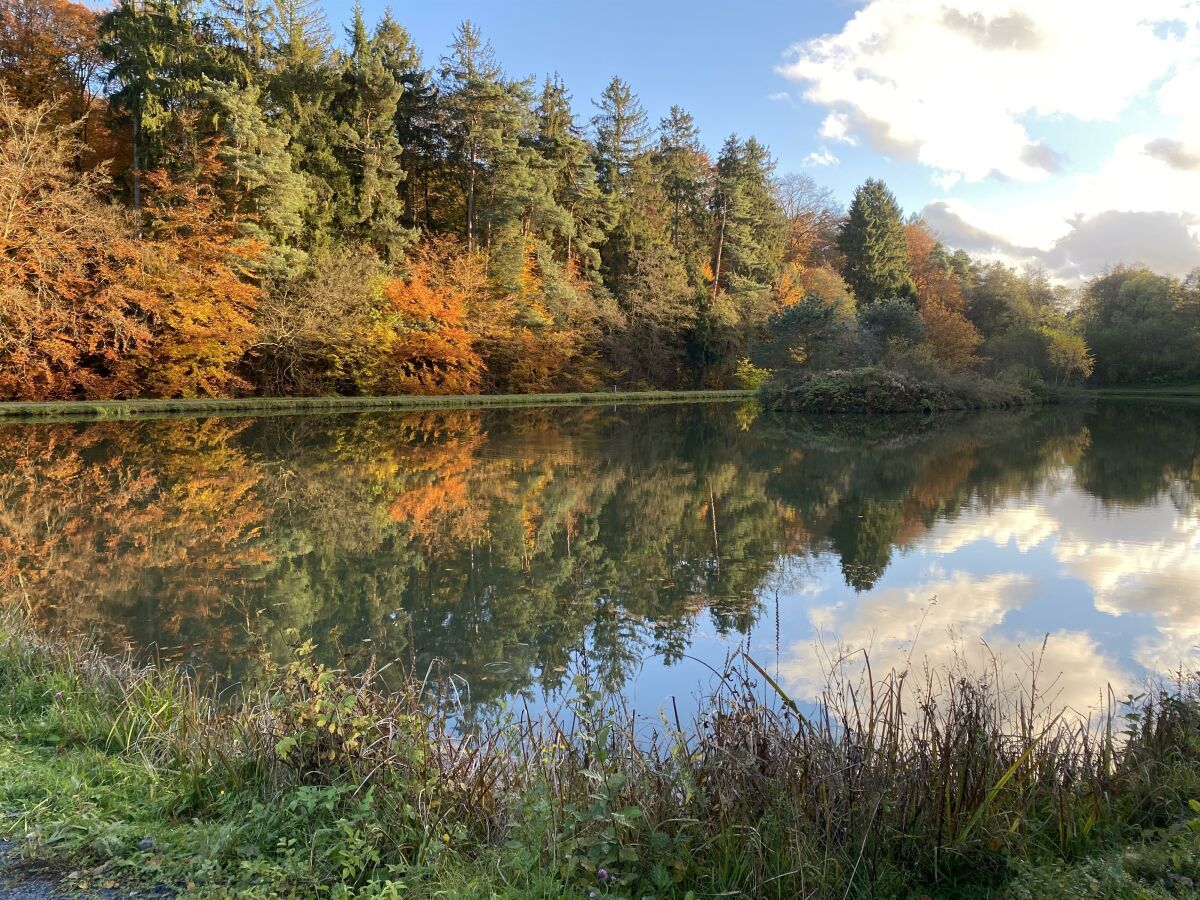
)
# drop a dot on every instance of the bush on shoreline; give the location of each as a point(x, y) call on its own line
point(880, 390)
point(314, 782)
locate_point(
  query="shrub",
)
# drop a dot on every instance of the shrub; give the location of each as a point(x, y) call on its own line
point(881, 390)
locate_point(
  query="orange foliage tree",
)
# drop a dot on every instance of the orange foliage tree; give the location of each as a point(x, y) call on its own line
point(427, 347)
point(536, 338)
point(198, 270)
point(70, 317)
point(950, 335)
point(90, 310)
point(49, 51)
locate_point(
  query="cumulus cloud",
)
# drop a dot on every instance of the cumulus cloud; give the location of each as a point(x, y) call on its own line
point(1021, 524)
point(1164, 241)
point(836, 127)
point(1175, 154)
point(951, 84)
point(1161, 240)
point(1158, 577)
point(821, 158)
point(985, 92)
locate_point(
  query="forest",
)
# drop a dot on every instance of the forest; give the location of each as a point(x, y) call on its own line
point(232, 198)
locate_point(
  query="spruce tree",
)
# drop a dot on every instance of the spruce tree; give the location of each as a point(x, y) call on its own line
point(681, 167)
point(876, 250)
point(484, 115)
point(417, 121)
point(749, 223)
point(265, 197)
point(622, 134)
point(245, 27)
point(567, 161)
point(302, 85)
point(163, 55)
point(370, 149)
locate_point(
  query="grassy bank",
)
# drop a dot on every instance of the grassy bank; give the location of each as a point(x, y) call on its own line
point(314, 783)
point(1148, 392)
point(139, 409)
point(879, 390)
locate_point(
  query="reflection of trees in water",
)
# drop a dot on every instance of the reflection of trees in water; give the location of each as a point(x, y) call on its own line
point(865, 487)
point(1139, 452)
point(505, 543)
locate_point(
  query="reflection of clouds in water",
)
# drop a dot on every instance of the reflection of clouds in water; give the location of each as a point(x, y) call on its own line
point(1157, 574)
point(1022, 524)
point(1158, 577)
point(887, 621)
point(907, 627)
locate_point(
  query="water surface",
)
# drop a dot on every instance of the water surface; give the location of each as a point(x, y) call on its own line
point(513, 547)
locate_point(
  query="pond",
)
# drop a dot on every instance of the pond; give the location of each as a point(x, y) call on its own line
point(512, 548)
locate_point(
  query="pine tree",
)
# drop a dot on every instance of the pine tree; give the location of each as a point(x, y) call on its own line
point(874, 244)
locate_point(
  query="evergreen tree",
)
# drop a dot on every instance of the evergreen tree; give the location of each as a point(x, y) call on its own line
point(483, 113)
point(163, 53)
point(302, 85)
point(417, 124)
point(266, 199)
point(245, 26)
point(749, 223)
point(682, 169)
point(874, 244)
point(370, 149)
point(567, 160)
point(622, 134)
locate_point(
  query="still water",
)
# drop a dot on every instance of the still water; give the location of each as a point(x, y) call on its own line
point(510, 548)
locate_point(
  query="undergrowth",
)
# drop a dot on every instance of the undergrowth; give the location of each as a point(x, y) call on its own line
point(881, 390)
point(312, 782)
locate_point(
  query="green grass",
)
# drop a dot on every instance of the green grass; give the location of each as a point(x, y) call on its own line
point(140, 409)
point(313, 782)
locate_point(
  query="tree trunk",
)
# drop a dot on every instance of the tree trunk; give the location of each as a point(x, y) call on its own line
point(137, 165)
point(720, 250)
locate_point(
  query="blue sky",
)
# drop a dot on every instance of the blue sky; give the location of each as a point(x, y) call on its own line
point(1063, 135)
point(722, 70)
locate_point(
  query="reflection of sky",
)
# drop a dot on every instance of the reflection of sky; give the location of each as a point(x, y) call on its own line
point(1113, 592)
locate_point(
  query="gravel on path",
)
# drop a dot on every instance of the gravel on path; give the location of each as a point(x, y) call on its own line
point(18, 882)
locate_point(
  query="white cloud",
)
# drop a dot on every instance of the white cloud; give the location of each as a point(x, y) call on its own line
point(1020, 523)
point(954, 624)
point(821, 158)
point(1072, 247)
point(952, 84)
point(836, 127)
point(1157, 576)
point(979, 91)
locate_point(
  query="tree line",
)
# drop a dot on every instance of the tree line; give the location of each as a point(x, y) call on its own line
point(228, 198)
